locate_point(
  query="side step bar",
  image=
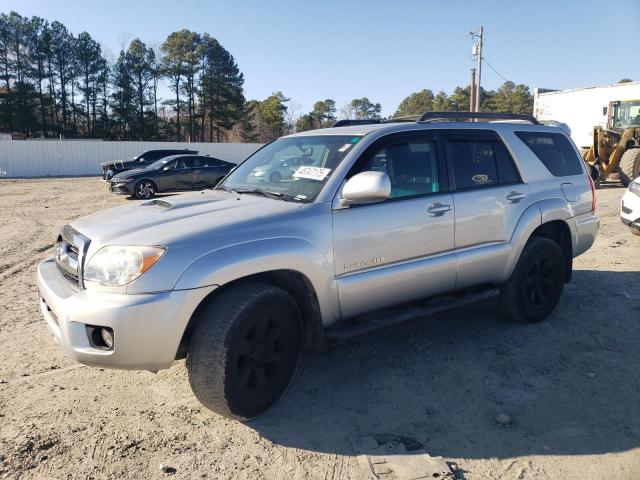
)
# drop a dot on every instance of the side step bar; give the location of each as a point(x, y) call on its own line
point(392, 316)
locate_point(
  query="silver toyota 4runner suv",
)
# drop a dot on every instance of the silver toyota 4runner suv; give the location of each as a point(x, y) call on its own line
point(377, 223)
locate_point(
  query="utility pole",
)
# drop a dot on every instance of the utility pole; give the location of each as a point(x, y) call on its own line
point(472, 94)
point(478, 51)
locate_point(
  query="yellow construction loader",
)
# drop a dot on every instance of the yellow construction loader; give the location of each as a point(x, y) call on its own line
point(616, 148)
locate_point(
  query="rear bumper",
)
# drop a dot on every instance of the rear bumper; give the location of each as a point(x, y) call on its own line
point(147, 328)
point(586, 231)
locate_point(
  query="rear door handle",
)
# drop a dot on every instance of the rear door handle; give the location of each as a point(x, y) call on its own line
point(438, 209)
point(515, 197)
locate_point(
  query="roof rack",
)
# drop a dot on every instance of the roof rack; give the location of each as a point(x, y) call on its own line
point(407, 118)
point(344, 123)
point(437, 116)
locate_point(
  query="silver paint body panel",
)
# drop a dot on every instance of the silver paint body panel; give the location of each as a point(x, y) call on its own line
point(356, 258)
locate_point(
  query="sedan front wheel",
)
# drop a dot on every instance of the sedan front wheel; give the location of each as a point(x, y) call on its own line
point(145, 189)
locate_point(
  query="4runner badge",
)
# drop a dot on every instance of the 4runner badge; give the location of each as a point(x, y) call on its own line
point(363, 263)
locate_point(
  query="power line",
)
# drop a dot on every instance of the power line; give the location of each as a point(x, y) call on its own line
point(494, 70)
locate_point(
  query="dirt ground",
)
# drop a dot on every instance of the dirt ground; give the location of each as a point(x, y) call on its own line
point(570, 385)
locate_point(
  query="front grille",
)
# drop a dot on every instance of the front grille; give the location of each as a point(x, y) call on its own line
point(71, 249)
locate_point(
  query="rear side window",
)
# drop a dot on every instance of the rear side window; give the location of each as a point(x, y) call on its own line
point(555, 151)
point(480, 163)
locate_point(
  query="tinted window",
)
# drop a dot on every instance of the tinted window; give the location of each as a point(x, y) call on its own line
point(184, 162)
point(210, 162)
point(506, 170)
point(474, 163)
point(555, 151)
point(412, 167)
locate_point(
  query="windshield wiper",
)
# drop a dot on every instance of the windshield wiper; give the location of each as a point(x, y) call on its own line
point(225, 189)
point(268, 194)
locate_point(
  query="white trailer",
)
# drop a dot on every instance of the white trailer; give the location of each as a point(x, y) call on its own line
point(582, 108)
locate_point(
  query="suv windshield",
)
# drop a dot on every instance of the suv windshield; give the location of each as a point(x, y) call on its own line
point(293, 168)
point(627, 114)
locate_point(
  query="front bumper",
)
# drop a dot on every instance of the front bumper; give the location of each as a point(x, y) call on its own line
point(147, 328)
point(123, 190)
point(630, 209)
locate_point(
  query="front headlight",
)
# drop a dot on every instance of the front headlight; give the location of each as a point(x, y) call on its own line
point(634, 187)
point(114, 266)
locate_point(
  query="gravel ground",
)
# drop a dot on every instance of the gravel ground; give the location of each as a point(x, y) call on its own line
point(569, 385)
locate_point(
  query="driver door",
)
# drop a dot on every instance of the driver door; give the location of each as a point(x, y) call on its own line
point(400, 249)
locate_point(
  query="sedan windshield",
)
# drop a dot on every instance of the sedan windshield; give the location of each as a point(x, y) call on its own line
point(159, 163)
point(293, 168)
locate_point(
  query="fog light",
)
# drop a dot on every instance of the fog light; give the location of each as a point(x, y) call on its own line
point(100, 337)
point(107, 337)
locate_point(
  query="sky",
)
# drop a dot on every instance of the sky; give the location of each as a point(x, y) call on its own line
point(384, 50)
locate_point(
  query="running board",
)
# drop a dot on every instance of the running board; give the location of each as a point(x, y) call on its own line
point(392, 316)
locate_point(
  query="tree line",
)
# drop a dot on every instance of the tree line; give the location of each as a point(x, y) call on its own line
point(56, 84)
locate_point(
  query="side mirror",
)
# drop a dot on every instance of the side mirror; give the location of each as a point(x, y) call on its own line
point(166, 169)
point(366, 187)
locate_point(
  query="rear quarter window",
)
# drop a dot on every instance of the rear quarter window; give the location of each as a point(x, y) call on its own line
point(555, 151)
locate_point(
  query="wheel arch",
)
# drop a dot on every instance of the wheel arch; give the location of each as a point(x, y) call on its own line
point(550, 218)
point(293, 282)
point(145, 179)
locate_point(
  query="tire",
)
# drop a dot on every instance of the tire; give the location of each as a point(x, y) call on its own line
point(145, 189)
point(535, 286)
point(635, 230)
point(245, 350)
point(275, 177)
point(630, 166)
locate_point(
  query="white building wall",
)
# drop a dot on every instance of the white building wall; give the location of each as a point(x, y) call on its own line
point(582, 108)
point(49, 158)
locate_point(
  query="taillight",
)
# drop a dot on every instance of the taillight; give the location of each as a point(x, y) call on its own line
point(593, 193)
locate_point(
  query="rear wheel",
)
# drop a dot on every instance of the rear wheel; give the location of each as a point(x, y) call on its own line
point(535, 286)
point(630, 166)
point(245, 350)
point(635, 230)
point(145, 189)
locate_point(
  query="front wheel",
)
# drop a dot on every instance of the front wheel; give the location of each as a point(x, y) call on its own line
point(275, 177)
point(245, 350)
point(145, 189)
point(535, 286)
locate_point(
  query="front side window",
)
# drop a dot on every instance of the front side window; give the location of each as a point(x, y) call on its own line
point(411, 165)
point(555, 151)
point(291, 168)
point(627, 114)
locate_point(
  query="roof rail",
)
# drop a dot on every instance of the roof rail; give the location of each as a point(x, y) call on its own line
point(437, 116)
point(344, 123)
point(407, 118)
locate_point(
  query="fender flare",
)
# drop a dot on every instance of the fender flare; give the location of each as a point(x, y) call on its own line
point(225, 265)
point(537, 214)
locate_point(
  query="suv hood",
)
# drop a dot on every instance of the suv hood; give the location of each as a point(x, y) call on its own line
point(177, 218)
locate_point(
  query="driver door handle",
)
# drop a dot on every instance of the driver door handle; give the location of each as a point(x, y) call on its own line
point(438, 209)
point(515, 197)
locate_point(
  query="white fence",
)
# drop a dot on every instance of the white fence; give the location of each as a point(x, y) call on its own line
point(53, 158)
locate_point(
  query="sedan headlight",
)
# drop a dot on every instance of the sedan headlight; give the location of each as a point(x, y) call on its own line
point(634, 187)
point(114, 266)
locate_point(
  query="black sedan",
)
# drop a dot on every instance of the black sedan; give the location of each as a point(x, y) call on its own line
point(178, 172)
point(142, 160)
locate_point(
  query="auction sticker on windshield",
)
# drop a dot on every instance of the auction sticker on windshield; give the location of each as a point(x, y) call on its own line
point(312, 173)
